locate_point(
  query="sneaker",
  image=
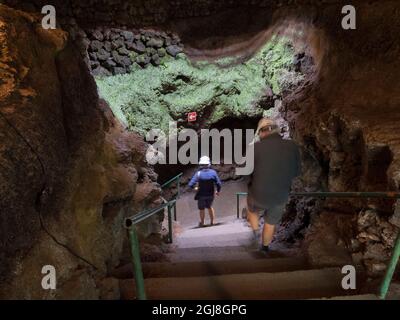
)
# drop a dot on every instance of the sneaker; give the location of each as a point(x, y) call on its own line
point(264, 249)
point(201, 225)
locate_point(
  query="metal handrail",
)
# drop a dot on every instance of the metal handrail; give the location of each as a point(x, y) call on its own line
point(135, 219)
point(387, 279)
point(387, 195)
point(130, 224)
point(177, 177)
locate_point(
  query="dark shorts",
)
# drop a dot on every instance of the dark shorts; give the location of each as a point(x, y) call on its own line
point(272, 214)
point(205, 202)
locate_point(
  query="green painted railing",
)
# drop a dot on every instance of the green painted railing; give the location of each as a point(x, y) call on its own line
point(387, 279)
point(176, 179)
point(130, 224)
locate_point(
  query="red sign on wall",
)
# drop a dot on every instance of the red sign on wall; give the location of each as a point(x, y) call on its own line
point(192, 116)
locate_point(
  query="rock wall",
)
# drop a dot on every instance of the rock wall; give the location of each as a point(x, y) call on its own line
point(346, 117)
point(111, 51)
point(69, 172)
point(154, 12)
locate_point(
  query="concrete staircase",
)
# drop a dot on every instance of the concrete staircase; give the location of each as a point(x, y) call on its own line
point(218, 263)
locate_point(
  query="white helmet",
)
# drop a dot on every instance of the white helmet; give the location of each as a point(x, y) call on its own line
point(204, 160)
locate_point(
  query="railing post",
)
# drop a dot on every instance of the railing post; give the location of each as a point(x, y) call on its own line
point(237, 205)
point(137, 264)
point(169, 223)
point(179, 187)
point(384, 288)
point(175, 211)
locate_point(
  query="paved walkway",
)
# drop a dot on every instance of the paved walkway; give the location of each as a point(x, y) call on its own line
point(224, 204)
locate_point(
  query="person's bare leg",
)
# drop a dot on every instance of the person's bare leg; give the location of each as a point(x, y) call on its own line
point(202, 215)
point(268, 233)
point(211, 212)
point(253, 219)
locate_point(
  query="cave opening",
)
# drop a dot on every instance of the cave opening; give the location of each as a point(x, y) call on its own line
point(149, 80)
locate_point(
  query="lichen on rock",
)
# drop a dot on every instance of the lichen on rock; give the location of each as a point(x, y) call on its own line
point(149, 98)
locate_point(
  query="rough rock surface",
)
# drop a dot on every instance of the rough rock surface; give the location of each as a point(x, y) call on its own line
point(374, 241)
point(69, 171)
point(111, 51)
point(345, 120)
point(324, 243)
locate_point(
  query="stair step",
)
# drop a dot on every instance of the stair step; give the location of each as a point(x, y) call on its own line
point(226, 234)
point(216, 240)
point(301, 284)
point(209, 268)
point(234, 240)
point(214, 254)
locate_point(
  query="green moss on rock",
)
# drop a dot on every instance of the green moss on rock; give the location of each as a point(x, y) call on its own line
point(151, 97)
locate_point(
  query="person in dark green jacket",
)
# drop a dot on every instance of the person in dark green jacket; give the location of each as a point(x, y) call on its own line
point(276, 163)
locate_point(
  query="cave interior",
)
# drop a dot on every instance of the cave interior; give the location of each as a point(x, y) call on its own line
point(77, 103)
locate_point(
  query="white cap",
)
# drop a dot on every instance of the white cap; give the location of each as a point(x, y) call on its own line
point(204, 160)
